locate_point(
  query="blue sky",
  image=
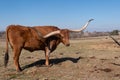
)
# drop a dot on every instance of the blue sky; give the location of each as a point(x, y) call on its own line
point(71, 14)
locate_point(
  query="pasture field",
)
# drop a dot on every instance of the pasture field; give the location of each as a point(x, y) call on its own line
point(93, 58)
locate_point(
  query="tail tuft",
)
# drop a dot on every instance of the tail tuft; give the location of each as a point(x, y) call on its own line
point(6, 58)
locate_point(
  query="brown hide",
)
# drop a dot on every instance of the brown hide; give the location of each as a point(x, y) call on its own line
point(20, 37)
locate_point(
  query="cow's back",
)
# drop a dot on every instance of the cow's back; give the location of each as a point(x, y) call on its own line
point(46, 29)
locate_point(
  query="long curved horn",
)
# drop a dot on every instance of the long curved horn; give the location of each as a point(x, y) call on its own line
point(84, 27)
point(52, 33)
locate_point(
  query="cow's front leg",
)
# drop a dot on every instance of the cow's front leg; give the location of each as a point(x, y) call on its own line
point(47, 54)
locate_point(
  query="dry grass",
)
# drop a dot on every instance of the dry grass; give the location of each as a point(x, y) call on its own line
point(86, 59)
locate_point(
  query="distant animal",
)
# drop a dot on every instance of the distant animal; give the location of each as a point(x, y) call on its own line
point(44, 38)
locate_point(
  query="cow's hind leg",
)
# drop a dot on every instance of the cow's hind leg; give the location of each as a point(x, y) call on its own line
point(17, 51)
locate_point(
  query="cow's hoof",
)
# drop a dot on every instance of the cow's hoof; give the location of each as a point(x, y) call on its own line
point(19, 70)
point(47, 65)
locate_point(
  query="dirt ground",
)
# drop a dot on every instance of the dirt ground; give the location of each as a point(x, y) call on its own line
point(95, 58)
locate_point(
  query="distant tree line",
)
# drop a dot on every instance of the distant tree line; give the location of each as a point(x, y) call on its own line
point(93, 34)
point(115, 32)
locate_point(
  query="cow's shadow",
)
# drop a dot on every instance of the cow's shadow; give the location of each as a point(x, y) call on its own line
point(52, 61)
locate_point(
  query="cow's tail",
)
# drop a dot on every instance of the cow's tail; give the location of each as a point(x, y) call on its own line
point(6, 57)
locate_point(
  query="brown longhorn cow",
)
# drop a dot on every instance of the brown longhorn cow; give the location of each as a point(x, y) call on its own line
point(44, 38)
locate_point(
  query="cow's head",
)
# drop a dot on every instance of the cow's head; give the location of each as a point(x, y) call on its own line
point(65, 36)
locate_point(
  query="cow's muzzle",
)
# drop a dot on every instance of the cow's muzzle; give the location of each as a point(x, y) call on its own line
point(67, 44)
